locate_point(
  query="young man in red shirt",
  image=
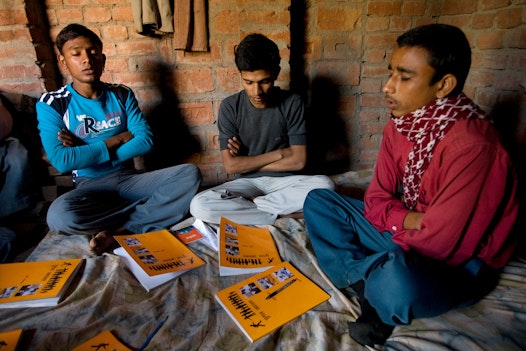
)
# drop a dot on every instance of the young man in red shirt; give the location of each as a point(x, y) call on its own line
point(436, 221)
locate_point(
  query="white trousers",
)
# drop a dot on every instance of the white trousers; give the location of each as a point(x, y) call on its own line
point(256, 200)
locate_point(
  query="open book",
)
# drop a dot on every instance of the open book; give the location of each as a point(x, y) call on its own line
point(245, 249)
point(36, 284)
point(268, 300)
point(156, 257)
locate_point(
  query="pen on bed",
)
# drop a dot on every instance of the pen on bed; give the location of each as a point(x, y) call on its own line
point(152, 334)
point(286, 285)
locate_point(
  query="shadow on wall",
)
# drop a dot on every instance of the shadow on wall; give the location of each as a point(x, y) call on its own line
point(328, 144)
point(509, 118)
point(173, 143)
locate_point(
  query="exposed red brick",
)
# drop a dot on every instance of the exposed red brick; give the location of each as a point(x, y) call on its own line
point(193, 81)
point(338, 18)
point(482, 20)
point(481, 79)
point(97, 15)
point(114, 32)
point(226, 21)
point(509, 18)
point(413, 8)
point(65, 16)
point(457, 7)
point(313, 48)
point(383, 40)
point(384, 8)
point(122, 14)
point(10, 17)
point(490, 40)
point(128, 48)
point(516, 38)
point(265, 17)
point(372, 85)
point(337, 45)
point(206, 57)
point(197, 113)
point(375, 24)
point(495, 4)
point(342, 73)
point(400, 24)
point(228, 79)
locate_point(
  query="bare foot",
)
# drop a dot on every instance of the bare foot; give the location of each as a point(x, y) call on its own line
point(100, 242)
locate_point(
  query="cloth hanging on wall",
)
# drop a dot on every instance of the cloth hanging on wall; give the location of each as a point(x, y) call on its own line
point(186, 19)
point(153, 16)
point(190, 25)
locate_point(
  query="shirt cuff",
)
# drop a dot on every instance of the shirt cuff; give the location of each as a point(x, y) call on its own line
point(395, 221)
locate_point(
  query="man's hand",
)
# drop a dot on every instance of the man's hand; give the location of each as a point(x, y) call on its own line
point(234, 146)
point(67, 138)
point(413, 220)
point(115, 141)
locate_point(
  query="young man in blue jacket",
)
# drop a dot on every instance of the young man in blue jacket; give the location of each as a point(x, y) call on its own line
point(95, 130)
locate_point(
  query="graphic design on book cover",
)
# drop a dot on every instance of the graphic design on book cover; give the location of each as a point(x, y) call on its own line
point(36, 284)
point(9, 339)
point(269, 299)
point(103, 341)
point(245, 249)
point(159, 252)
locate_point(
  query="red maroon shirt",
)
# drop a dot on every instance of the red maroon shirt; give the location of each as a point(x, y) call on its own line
point(467, 195)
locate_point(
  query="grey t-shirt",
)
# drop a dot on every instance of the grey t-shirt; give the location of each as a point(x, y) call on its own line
point(277, 126)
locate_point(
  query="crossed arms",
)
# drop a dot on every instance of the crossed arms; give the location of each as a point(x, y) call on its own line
point(292, 158)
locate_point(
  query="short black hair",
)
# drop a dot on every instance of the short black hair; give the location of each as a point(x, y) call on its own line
point(75, 30)
point(257, 52)
point(448, 48)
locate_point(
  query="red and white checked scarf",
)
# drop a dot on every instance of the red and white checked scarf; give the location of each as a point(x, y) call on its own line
point(426, 127)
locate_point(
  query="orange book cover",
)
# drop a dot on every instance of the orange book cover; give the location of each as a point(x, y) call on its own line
point(36, 284)
point(159, 252)
point(103, 341)
point(245, 249)
point(9, 339)
point(269, 299)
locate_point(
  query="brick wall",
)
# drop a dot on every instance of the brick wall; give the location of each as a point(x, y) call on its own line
point(350, 41)
point(334, 53)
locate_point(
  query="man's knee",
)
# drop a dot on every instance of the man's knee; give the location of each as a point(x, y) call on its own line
point(408, 286)
point(198, 207)
point(190, 171)
point(325, 182)
point(314, 197)
point(57, 218)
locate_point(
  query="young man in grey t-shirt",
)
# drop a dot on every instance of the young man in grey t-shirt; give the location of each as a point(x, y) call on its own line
point(262, 137)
